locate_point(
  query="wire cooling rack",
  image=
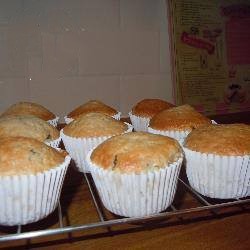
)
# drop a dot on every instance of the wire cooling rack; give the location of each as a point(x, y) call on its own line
point(204, 204)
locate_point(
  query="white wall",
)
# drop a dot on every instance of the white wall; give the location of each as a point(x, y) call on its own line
point(61, 53)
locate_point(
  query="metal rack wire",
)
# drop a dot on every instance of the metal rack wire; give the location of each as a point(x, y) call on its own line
point(205, 205)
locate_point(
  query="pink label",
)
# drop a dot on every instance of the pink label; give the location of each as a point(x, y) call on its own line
point(197, 42)
point(238, 41)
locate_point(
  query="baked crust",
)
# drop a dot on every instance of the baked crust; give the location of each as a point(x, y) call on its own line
point(182, 117)
point(136, 152)
point(29, 108)
point(93, 125)
point(150, 107)
point(92, 106)
point(22, 156)
point(28, 126)
point(228, 140)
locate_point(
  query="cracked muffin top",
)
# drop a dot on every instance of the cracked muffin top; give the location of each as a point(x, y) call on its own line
point(221, 139)
point(93, 125)
point(22, 155)
point(136, 152)
point(92, 106)
point(29, 108)
point(28, 126)
point(149, 107)
point(182, 117)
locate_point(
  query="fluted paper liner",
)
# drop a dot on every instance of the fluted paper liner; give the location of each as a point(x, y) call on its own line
point(68, 120)
point(136, 195)
point(29, 198)
point(139, 123)
point(117, 116)
point(178, 135)
point(54, 121)
point(54, 143)
point(79, 147)
point(214, 176)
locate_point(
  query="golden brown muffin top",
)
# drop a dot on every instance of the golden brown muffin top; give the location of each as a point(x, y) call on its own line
point(150, 107)
point(136, 152)
point(92, 106)
point(228, 140)
point(29, 108)
point(93, 125)
point(22, 155)
point(27, 126)
point(182, 117)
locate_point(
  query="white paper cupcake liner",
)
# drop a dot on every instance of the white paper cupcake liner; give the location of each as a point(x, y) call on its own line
point(214, 176)
point(54, 143)
point(117, 116)
point(178, 135)
point(29, 198)
point(68, 120)
point(79, 147)
point(139, 123)
point(136, 195)
point(54, 121)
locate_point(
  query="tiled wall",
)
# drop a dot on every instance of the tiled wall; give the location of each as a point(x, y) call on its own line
point(61, 53)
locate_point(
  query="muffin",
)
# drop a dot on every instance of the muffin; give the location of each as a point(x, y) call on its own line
point(31, 178)
point(136, 173)
point(218, 160)
point(29, 126)
point(86, 132)
point(90, 107)
point(30, 108)
point(177, 122)
point(144, 110)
